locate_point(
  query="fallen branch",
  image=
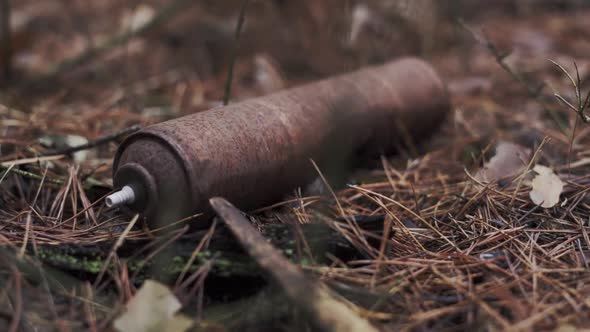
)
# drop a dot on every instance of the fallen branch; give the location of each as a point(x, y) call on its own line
point(328, 312)
point(91, 144)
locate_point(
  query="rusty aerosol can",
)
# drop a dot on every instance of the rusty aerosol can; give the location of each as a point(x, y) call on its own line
point(256, 151)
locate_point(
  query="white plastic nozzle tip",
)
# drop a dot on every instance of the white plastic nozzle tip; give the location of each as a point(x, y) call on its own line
point(124, 196)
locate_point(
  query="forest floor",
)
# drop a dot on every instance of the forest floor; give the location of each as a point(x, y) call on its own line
point(447, 235)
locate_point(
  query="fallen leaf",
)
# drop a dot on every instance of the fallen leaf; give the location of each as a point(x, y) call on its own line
point(267, 74)
point(153, 309)
point(361, 15)
point(137, 19)
point(510, 160)
point(546, 187)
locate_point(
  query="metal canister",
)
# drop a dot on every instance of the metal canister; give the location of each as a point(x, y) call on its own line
point(254, 152)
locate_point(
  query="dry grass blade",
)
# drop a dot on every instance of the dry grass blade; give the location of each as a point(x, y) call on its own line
point(526, 170)
point(6, 172)
point(30, 160)
point(202, 244)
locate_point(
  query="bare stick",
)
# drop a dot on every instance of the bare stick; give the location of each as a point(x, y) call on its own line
point(230, 74)
point(580, 108)
point(328, 312)
point(91, 144)
point(581, 103)
point(5, 39)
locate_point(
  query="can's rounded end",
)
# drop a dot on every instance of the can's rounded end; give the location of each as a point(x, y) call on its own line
point(138, 188)
point(156, 172)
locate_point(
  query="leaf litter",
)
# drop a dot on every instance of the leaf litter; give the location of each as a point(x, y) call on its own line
point(430, 251)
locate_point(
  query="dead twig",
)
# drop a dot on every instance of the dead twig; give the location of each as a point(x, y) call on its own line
point(328, 312)
point(582, 103)
point(230, 73)
point(91, 144)
point(5, 39)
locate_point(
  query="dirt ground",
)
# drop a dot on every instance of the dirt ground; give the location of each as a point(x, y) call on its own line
point(449, 235)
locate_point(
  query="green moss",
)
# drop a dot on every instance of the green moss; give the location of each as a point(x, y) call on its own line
point(90, 264)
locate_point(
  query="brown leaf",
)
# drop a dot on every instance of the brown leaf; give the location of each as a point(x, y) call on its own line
point(510, 160)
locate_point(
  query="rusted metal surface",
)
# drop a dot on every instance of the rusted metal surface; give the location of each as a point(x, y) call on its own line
point(256, 151)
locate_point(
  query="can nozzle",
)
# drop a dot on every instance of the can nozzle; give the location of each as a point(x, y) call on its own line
point(124, 196)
